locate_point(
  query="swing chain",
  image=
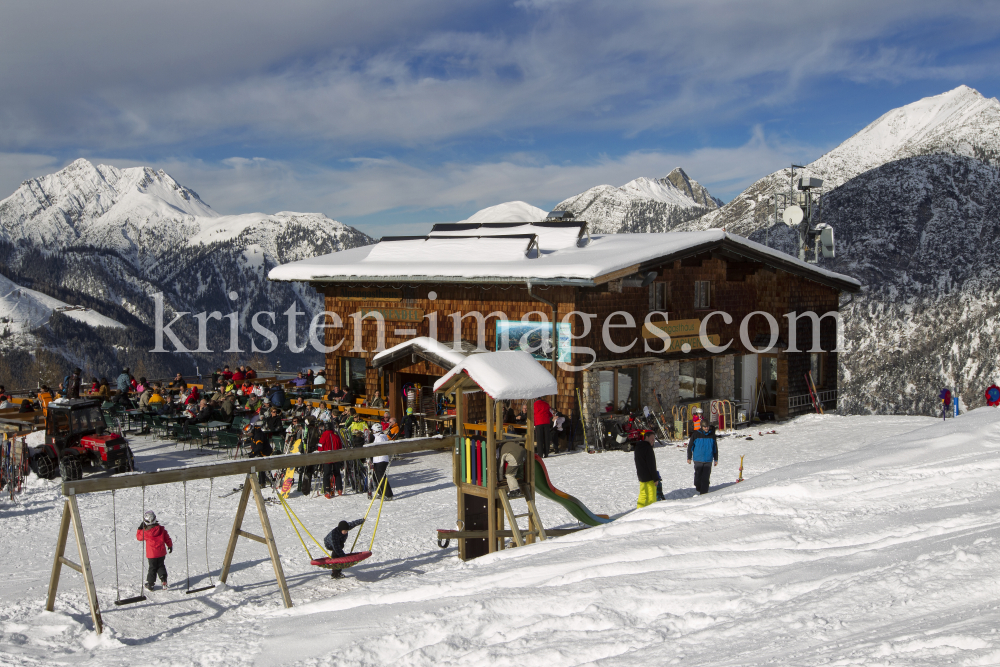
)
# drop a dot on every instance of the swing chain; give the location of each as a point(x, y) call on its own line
point(114, 529)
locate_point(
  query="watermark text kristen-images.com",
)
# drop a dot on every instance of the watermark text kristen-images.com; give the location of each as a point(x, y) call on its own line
point(656, 340)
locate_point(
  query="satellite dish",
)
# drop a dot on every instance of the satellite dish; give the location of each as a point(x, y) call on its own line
point(650, 277)
point(793, 215)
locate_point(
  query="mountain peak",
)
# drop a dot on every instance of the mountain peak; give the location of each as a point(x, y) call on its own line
point(692, 188)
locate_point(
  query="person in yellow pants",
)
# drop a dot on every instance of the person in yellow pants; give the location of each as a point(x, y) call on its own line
point(645, 469)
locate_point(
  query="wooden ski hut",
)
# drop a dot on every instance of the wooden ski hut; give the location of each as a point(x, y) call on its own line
point(595, 310)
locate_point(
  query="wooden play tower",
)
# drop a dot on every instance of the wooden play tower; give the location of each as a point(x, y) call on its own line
point(483, 503)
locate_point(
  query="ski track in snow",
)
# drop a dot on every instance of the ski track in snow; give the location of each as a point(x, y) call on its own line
point(854, 541)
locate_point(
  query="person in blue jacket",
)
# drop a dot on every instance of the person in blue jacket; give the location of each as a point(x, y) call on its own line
point(703, 449)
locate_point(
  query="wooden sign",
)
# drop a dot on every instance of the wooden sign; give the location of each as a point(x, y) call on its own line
point(397, 314)
point(677, 343)
point(675, 328)
point(369, 294)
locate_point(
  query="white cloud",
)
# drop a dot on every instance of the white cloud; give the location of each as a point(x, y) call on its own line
point(419, 73)
point(377, 187)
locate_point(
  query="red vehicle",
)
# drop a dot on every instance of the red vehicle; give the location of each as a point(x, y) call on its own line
point(623, 435)
point(76, 441)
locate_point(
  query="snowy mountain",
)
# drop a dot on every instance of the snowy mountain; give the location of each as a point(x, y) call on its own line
point(923, 236)
point(110, 238)
point(913, 201)
point(642, 205)
point(959, 122)
point(23, 309)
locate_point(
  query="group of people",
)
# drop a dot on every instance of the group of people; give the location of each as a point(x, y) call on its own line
point(551, 426)
point(702, 452)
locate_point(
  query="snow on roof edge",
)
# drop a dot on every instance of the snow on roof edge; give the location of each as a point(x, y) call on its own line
point(569, 265)
point(427, 344)
point(505, 375)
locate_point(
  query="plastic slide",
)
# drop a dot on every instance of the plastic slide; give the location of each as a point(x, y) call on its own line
point(543, 485)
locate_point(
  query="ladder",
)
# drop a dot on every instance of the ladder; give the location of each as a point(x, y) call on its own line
point(532, 514)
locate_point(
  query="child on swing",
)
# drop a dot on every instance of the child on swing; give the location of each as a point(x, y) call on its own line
point(158, 545)
point(335, 541)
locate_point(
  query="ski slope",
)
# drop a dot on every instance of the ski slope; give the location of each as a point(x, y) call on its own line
point(853, 541)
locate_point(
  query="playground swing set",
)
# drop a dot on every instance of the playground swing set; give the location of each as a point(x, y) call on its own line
point(250, 467)
point(328, 561)
point(483, 503)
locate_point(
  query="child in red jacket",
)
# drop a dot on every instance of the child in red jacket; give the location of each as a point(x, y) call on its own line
point(158, 545)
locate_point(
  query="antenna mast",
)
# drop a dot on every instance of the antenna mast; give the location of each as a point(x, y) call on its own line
point(801, 208)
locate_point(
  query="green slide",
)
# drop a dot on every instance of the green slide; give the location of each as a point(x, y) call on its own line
point(579, 511)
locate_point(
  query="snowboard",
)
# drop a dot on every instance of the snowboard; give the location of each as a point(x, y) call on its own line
point(289, 479)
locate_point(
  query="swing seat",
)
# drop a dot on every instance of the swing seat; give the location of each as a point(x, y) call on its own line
point(343, 562)
point(137, 598)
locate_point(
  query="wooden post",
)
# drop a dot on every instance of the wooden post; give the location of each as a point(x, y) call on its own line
point(529, 472)
point(251, 485)
point(456, 460)
point(88, 574)
point(491, 470)
point(241, 509)
point(57, 561)
point(272, 547)
point(71, 513)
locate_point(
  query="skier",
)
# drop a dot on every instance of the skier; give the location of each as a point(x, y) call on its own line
point(645, 469)
point(945, 397)
point(158, 545)
point(380, 463)
point(336, 539)
point(328, 442)
point(703, 449)
point(260, 446)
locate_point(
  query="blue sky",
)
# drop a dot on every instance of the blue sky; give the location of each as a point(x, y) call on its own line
point(392, 115)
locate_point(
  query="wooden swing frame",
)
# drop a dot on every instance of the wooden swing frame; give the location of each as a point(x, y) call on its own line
point(248, 467)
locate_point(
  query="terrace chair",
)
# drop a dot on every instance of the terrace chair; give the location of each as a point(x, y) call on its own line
point(159, 425)
point(229, 443)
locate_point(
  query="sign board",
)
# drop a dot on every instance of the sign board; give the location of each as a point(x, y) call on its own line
point(534, 338)
point(396, 314)
point(676, 343)
point(675, 328)
point(369, 294)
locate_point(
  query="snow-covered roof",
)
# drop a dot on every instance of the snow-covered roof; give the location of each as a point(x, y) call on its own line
point(554, 256)
point(504, 375)
point(445, 356)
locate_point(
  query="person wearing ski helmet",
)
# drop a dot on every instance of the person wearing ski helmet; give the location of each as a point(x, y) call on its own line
point(645, 469)
point(703, 451)
point(158, 545)
point(380, 463)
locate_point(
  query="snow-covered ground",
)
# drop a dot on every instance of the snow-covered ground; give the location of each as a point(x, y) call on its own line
point(853, 541)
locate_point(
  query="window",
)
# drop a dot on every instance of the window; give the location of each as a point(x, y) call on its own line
point(695, 379)
point(702, 293)
point(354, 375)
point(816, 368)
point(658, 296)
point(87, 421)
point(620, 390)
point(59, 423)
